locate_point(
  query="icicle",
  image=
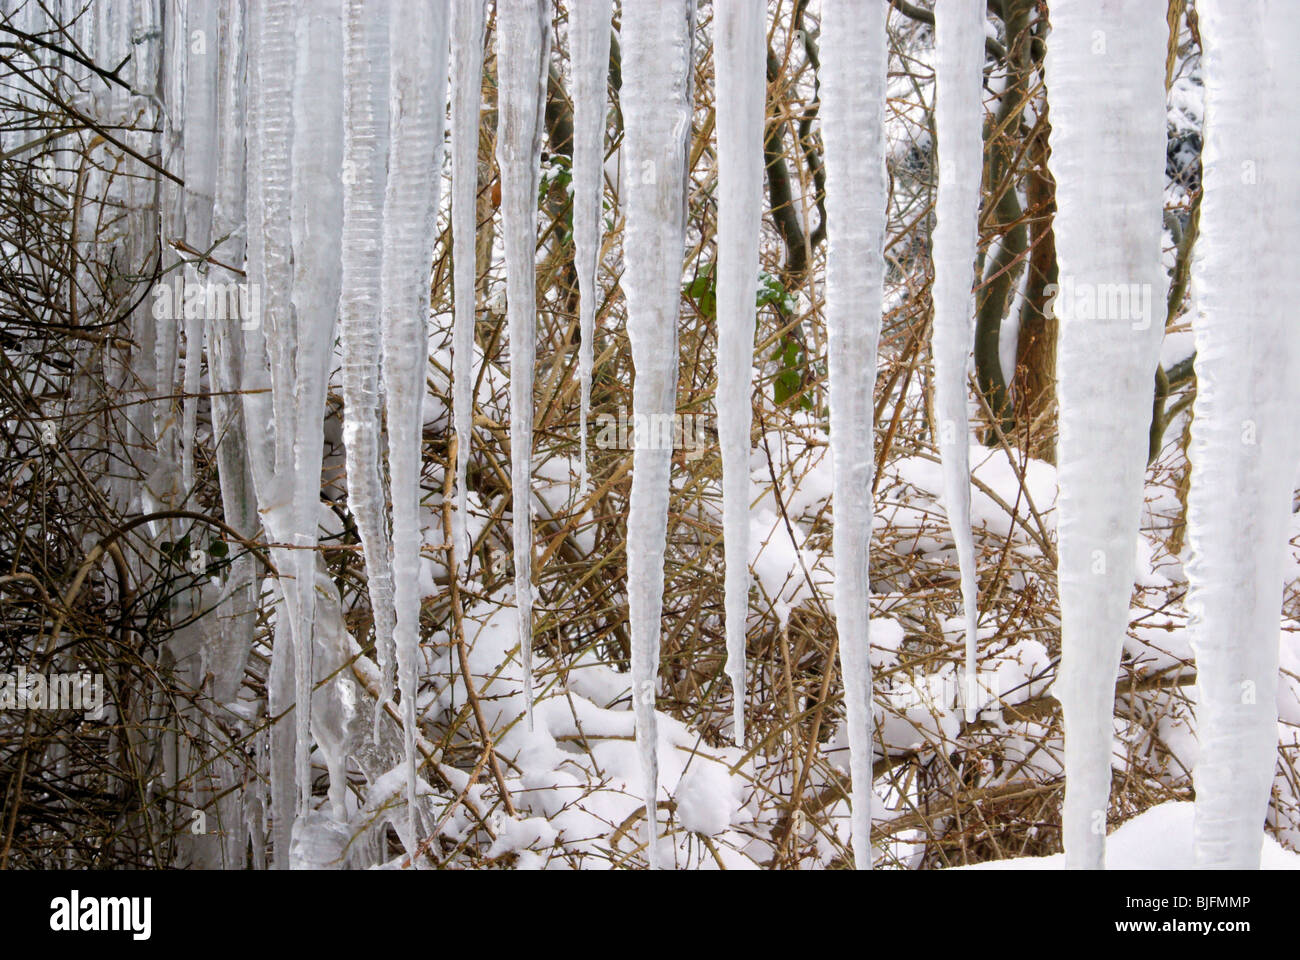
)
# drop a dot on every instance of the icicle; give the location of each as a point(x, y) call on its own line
point(239, 502)
point(958, 120)
point(854, 59)
point(417, 108)
point(365, 169)
point(523, 54)
point(589, 46)
point(740, 57)
point(199, 162)
point(467, 93)
point(1244, 440)
point(316, 228)
point(267, 362)
point(658, 64)
point(1108, 157)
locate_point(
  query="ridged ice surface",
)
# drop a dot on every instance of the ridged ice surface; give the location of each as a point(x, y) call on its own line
point(365, 174)
point(656, 98)
point(958, 119)
point(1244, 440)
point(1108, 158)
point(853, 102)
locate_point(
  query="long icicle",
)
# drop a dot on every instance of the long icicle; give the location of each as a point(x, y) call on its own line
point(853, 100)
point(467, 18)
point(589, 44)
point(1244, 440)
point(365, 166)
point(268, 357)
point(959, 63)
point(740, 58)
point(523, 37)
point(316, 225)
point(658, 65)
point(417, 108)
point(1108, 158)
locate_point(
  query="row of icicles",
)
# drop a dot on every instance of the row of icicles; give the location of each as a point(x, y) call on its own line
point(376, 126)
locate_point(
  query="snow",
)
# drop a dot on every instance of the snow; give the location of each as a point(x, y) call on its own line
point(1157, 839)
point(658, 64)
point(1109, 165)
point(958, 116)
point(589, 30)
point(854, 62)
point(1244, 446)
point(523, 52)
point(740, 55)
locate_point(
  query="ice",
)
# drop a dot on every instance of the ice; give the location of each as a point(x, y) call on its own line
point(523, 54)
point(854, 62)
point(417, 111)
point(199, 162)
point(365, 172)
point(1108, 158)
point(467, 18)
point(269, 362)
point(1244, 441)
point(740, 57)
point(589, 50)
point(316, 225)
point(658, 65)
point(958, 119)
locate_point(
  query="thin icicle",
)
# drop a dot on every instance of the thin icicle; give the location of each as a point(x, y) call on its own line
point(199, 161)
point(1244, 439)
point(417, 108)
point(854, 59)
point(467, 18)
point(589, 47)
point(658, 63)
point(238, 614)
point(365, 171)
point(1108, 158)
point(523, 54)
point(740, 57)
point(958, 121)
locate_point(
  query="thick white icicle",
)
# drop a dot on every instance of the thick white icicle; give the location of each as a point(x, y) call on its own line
point(365, 172)
point(1244, 439)
point(658, 64)
point(268, 357)
point(740, 63)
point(854, 59)
point(467, 18)
point(316, 227)
point(958, 121)
point(589, 47)
point(1108, 157)
point(523, 54)
point(417, 108)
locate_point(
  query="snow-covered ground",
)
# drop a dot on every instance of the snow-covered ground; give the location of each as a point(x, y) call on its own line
point(1160, 839)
